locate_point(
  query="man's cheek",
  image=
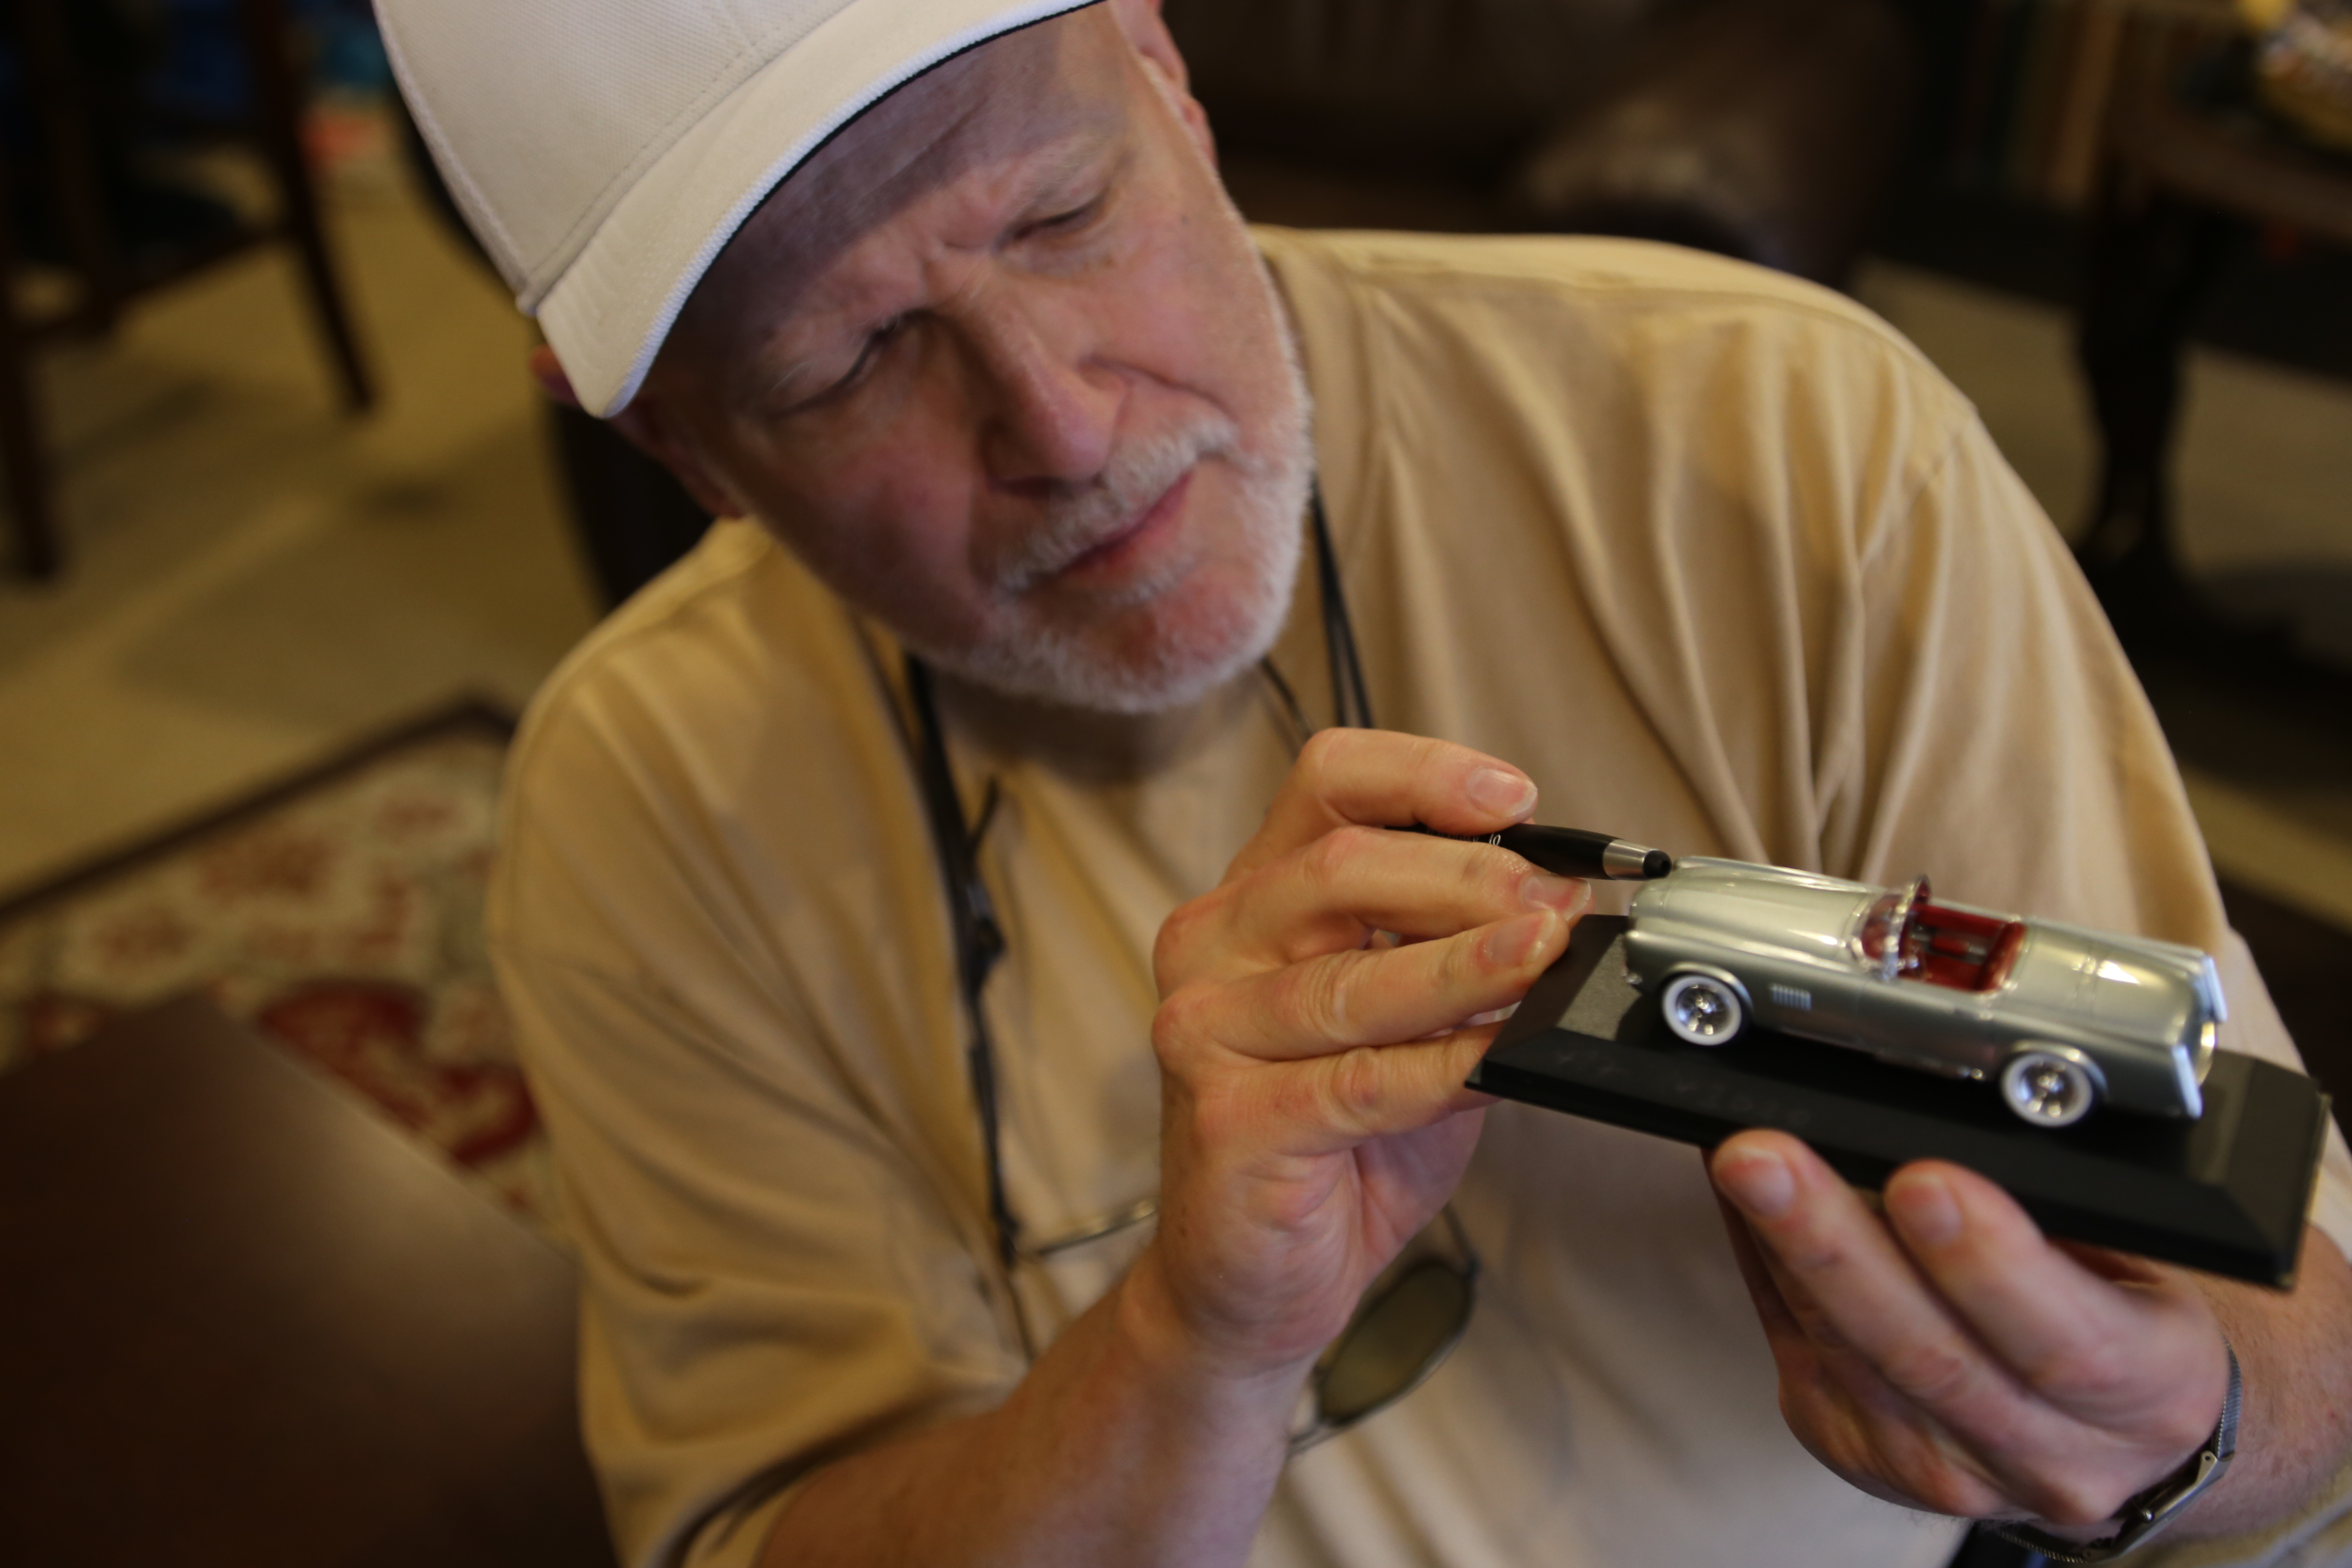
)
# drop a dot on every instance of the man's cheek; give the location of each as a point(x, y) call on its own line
point(901, 548)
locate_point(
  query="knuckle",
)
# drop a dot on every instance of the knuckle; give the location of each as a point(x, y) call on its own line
point(1819, 1328)
point(1172, 948)
point(1463, 963)
point(1497, 876)
point(1330, 859)
point(1435, 758)
point(1811, 1251)
point(1315, 996)
point(1934, 1374)
point(2085, 1368)
point(1179, 1027)
point(1352, 1085)
point(1324, 754)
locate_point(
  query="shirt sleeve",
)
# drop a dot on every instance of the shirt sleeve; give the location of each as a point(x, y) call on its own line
point(762, 1293)
point(774, 1270)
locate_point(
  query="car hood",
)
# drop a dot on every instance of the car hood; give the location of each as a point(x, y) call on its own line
point(1735, 901)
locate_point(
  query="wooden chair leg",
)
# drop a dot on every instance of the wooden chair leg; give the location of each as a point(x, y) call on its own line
point(53, 83)
point(2152, 261)
point(21, 447)
point(278, 108)
point(37, 555)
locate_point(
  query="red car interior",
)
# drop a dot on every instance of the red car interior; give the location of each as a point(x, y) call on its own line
point(1952, 947)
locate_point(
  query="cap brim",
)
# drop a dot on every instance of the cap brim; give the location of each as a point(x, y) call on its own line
point(607, 315)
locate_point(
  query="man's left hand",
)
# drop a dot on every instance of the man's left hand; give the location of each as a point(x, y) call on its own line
point(1943, 1354)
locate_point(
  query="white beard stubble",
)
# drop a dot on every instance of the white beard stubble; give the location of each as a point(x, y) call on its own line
point(1027, 650)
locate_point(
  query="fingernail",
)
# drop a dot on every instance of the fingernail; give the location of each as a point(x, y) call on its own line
point(1514, 941)
point(1761, 1183)
point(1543, 890)
point(1492, 789)
point(1925, 1210)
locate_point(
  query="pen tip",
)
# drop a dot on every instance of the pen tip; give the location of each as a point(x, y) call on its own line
point(1657, 863)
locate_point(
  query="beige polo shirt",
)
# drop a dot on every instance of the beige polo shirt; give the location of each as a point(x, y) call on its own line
point(1711, 554)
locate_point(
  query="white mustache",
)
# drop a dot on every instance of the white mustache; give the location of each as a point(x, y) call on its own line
point(1139, 474)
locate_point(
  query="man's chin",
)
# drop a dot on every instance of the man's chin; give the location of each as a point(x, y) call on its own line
point(1147, 660)
point(1076, 674)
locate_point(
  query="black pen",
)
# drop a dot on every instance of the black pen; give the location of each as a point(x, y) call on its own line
point(1572, 852)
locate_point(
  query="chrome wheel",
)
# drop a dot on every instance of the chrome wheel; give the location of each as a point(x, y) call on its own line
point(2048, 1090)
point(1703, 1010)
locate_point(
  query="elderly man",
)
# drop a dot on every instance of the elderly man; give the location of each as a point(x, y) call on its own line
point(1038, 603)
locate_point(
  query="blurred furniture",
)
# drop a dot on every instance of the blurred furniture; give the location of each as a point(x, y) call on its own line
point(246, 1322)
point(2190, 164)
point(1762, 129)
point(68, 107)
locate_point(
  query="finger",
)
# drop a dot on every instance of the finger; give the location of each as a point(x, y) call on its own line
point(2149, 1357)
point(1380, 779)
point(1902, 1403)
point(1362, 998)
point(1845, 1414)
point(1791, 1348)
point(1771, 1307)
point(1851, 1287)
point(1334, 1103)
point(1353, 881)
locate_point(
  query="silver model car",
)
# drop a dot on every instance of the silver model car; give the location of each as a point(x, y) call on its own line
point(2061, 1018)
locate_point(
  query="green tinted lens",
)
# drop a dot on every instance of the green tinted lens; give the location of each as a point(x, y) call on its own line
point(1394, 1340)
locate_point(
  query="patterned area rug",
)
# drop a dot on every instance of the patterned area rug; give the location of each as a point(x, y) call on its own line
point(340, 915)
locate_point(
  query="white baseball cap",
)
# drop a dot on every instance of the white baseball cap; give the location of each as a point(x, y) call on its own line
point(605, 151)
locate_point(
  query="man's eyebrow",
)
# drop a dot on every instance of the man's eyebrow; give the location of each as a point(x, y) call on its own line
point(1078, 159)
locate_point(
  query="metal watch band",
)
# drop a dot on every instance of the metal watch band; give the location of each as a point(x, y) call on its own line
point(2152, 1510)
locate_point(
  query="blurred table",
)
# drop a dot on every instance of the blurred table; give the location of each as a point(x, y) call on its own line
point(241, 1322)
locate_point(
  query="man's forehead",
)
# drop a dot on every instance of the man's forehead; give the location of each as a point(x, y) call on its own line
point(1007, 99)
point(1041, 102)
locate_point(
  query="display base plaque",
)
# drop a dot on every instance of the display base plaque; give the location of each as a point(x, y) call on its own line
point(2226, 1192)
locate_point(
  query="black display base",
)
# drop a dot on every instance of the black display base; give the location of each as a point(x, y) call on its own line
point(2226, 1192)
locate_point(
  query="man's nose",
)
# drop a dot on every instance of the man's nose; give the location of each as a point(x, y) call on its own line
point(1048, 411)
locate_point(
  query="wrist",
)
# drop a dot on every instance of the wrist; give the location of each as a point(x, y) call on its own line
point(1151, 1323)
point(2160, 1505)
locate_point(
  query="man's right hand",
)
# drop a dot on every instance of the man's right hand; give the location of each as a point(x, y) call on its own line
point(1312, 1041)
point(1312, 1038)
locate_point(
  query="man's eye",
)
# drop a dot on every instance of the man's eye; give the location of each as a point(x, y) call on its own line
point(868, 352)
point(1076, 218)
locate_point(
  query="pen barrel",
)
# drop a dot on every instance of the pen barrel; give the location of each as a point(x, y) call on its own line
point(1563, 851)
point(1573, 852)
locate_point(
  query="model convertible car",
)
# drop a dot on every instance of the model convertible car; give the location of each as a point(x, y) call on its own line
point(2060, 1018)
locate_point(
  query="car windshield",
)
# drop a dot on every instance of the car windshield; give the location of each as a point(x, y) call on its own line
point(1878, 927)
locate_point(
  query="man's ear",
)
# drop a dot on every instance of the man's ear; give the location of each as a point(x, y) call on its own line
point(646, 426)
point(1147, 33)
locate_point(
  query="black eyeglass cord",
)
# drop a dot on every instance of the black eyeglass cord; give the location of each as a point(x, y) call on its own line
point(979, 938)
point(1351, 699)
